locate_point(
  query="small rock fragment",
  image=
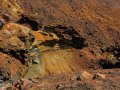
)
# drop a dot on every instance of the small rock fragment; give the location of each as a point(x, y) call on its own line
point(11, 81)
point(1, 24)
point(60, 87)
point(99, 76)
point(18, 85)
point(86, 75)
point(7, 17)
point(26, 83)
point(1, 81)
point(78, 77)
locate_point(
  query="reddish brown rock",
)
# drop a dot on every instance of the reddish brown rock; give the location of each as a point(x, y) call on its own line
point(10, 68)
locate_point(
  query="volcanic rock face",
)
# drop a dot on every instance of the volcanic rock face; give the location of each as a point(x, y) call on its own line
point(43, 37)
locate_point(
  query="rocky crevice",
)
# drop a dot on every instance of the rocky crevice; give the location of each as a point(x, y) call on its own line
point(68, 37)
point(34, 25)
